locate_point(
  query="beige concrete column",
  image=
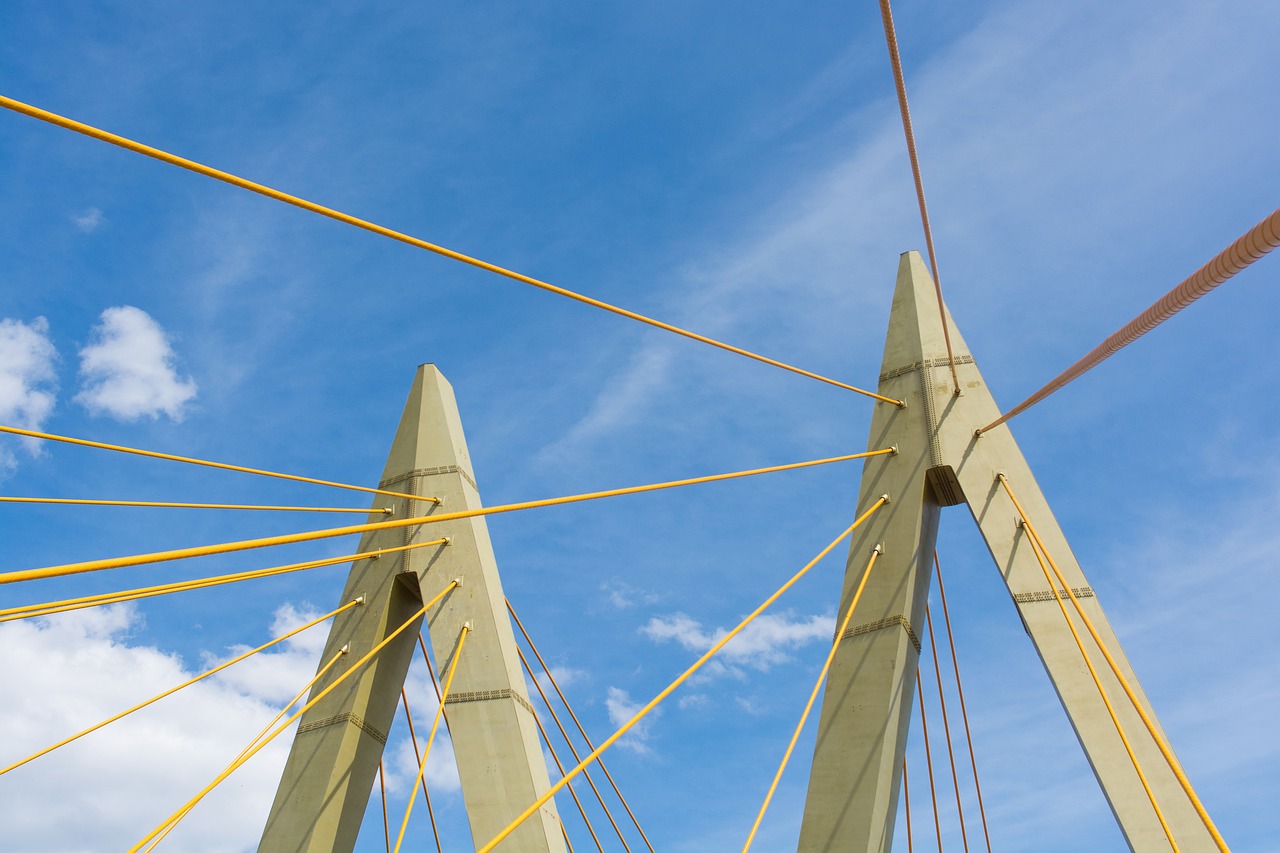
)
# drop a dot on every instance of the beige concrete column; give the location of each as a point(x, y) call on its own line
point(852, 795)
point(330, 771)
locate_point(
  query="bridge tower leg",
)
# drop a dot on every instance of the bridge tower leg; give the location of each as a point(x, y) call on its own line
point(331, 768)
point(856, 777)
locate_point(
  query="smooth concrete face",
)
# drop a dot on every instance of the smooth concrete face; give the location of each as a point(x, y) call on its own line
point(851, 803)
point(327, 781)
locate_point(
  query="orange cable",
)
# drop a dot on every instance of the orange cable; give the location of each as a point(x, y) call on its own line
point(556, 758)
point(582, 731)
point(891, 36)
point(964, 714)
point(382, 783)
point(906, 799)
point(928, 757)
point(946, 727)
point(413, 738)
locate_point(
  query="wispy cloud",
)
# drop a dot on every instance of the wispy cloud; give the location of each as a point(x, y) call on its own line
point(621, 709)
point(28, 381)
point(88, 221)
point(129, 370)
point(764, 643)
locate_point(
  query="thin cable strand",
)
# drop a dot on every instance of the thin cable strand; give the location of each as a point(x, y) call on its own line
point(417, 755)
point(542, 730)
point(576, 721)
point(899, 81)
point(295, 201)
point(928, 758)
point(964, 713)
point(329, 533)
point(654, 702)
point(946, 726)
point(152, 454)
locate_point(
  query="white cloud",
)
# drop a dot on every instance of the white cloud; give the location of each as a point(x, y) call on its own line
point(621, 709)
point(68, 672)
point(623, 595)
point(764, 643)
point(89, 220)
point(28, 383)
point(129, 370)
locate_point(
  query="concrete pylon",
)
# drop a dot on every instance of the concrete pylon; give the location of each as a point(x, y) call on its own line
point(856, 777)
point(331, 769)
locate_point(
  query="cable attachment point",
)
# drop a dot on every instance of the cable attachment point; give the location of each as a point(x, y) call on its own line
point(885, 498)
point(894, 448)
point(360, 599)
point(458, 582)
point(346, 648)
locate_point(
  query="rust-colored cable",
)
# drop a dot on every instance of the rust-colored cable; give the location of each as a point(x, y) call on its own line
point(946, 727)
point(891, 36)
point(382, 783)
point(556, 758)
point(1258, 241)
point(576, 757)
point(417, 754)
point(964, 714)
point(582, 731)
point(928, 758)
point(906, 800)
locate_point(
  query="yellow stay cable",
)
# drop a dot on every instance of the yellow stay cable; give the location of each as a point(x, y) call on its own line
point(435, 725)
point(257, 747)
point(173, 823)
point(655, 701)
point(292, 538)
point(177, 505)
point(813, 696)
point(152, 454)
point(964, 712)
point(1120, 676)
point(187, 683)
point(347, 219)
point(946, 726)
point(542, 730)
point(28, 611)
point(585, 774)
point(582, 731)
point(417, 755)
point(1106, 700)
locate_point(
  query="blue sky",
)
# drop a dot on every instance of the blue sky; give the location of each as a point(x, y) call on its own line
point(736, 169)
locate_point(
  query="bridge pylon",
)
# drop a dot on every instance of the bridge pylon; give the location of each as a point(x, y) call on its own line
point(855, 780)
point(326, 783)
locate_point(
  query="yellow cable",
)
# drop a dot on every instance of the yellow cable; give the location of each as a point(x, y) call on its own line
point(155, 842)
point(653, 703)
point(435, 724)
point(289, 539)
point(28, 611)
point(1152, 730)
point(84, 442)
point(1106, 700)
point(177, 505)
point(582, 731)
point(186, 683)
point(256, 748)
point(226, 177)
point(813, 696)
